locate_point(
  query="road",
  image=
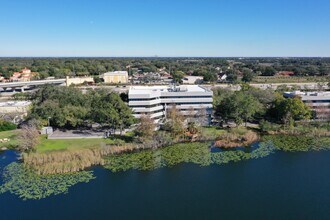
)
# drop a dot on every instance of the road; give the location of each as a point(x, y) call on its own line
point(312, 86)
point(22, 85)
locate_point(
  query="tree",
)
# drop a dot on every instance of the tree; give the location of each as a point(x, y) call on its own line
point(231, 76)
point(264, 96)
point(269, 71)
point(248, 75)
point(177, 76)
point(64, 106)
point(219, 94)
point(210, 77)
point(239, 107)
point(145, 129)
point(174, 123)
point(68, 107)
point(201, 117)
point(290, 109)
point(28, 137)
point(108, 109)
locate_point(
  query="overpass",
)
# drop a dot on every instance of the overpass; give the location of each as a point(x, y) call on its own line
point(23, 85)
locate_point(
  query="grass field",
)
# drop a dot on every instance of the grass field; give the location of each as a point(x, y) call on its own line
point(212, 132)
point(47, 145)
point(12, 135)
point(283, 79)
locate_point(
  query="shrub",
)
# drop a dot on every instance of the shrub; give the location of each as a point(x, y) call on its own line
point(266, 126)
point(7, 126)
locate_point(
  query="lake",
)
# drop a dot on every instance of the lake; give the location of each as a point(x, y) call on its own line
point(280, 186)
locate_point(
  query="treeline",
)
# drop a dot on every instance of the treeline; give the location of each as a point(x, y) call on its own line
point(210, 68)
point(255, 105)
point(68, 107)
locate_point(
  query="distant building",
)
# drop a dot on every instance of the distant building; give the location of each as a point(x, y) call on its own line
point(192, 80)
point(23, 76)
point(15, 107)
point(319, 102)
point(156, 100)
point(285, 73)
point(115, 77)
point(14, 111)
point(79, 80)
point(223, 77)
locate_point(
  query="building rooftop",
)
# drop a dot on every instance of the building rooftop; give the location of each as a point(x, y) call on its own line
point(166, 89)
point(299, 93)
point(309, 96)
point(124, 73)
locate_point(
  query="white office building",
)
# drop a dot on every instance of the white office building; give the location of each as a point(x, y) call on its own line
point(319, 102)
point(156, 100)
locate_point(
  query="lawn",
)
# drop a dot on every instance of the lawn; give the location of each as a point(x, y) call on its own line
point(47, 145)
point(212, 132)
point(12, 135)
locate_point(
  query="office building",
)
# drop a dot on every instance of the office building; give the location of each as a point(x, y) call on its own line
point(190, 100)
point(116, 77)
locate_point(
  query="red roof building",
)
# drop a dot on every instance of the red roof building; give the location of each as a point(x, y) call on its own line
point(23, 76)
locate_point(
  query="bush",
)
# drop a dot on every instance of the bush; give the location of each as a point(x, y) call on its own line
point(266, 126)
point(236, 138)
point(7, 126)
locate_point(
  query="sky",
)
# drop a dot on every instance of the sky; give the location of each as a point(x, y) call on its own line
point(165, 28)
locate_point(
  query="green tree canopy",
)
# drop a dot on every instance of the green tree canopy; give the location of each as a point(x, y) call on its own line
point(290, 109)
point(238, 107)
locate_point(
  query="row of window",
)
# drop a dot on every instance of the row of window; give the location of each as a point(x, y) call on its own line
point(172, 104)
point(190, 103)
point(149, 113)
point(185, 97)
point(145, 106)
point(318, 101)
point(170, 97)
point(150, 99)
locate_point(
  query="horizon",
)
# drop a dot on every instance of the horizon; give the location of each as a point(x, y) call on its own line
point(156, 57)
point(165, 29)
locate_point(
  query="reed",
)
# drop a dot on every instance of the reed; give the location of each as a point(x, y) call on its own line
point(71, 160)
point(236, 139)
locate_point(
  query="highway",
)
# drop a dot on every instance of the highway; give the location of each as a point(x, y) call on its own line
point(125, 88)
point(15, 85)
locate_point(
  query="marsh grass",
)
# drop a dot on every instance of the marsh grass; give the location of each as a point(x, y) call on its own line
point(236, 137)
point(71, 160)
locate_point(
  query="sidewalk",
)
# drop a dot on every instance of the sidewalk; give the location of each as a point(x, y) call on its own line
point(76, 134)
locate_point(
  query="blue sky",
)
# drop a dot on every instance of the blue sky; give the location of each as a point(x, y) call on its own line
point(165, 28)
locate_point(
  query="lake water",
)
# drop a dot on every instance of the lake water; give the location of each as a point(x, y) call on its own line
point(280, 186)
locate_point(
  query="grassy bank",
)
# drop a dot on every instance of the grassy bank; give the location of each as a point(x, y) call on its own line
point(48, 145)
point(12, 136)
point(211, 133)
point(65, 156)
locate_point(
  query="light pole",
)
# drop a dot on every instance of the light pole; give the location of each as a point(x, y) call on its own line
point(49, 121)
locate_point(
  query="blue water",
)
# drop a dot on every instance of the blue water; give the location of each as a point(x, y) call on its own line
point(280, 186)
